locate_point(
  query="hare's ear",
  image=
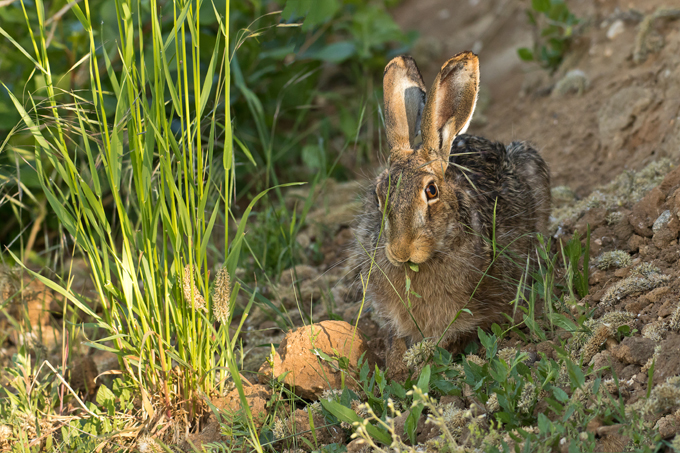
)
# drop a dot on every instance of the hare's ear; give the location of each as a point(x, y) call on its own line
point(404, 101)
point(450, 104)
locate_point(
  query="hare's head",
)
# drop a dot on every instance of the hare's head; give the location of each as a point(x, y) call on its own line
point(421, 206)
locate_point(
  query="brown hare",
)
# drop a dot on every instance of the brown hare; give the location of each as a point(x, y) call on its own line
point(456, 215)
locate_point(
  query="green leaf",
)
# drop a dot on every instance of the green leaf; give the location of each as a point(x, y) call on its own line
point(398, 390)
point(575, 374)
point(543, 424)
point(414, 267)
point(411, 423)
point(525, 54)
point(650, 377)
point(560, 394)
point(245, 150)
point(424, 379)
point(334, 53)
point(542, 6)
point(347, 415)
point(81, 17)
point(320, 11)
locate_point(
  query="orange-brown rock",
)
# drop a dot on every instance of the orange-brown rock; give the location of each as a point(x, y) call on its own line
point(257, 396)
point(308, 372)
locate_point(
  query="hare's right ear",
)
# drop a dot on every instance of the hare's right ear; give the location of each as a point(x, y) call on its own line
point(450, 104)
point(404, 92)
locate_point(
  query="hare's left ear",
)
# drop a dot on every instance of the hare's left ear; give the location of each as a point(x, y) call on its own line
point(450, 105)
point(404, 93)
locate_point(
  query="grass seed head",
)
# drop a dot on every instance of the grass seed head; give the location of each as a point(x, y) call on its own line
point(595, 343)
point(508, 354)
point(358, 408)
point(477, 360)
point(644, 277)
point(189, 288)
point(527, 398)
point(222, 296)
point(626, 189)
point(562, 194)
point(664, 397)
point(614, 217)
point(147, 444)
point(331, 394)
point(655, 330)
point(492, 404)
point(279, 430)
point(615, 258)
point(675, 444)
point(616, 319)
point(5, 434)
point(419, 353)
point(674, 321)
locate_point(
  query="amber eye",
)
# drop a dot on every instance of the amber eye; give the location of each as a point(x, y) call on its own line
point(431, 191)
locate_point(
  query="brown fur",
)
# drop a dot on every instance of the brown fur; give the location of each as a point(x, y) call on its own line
point(448, 237)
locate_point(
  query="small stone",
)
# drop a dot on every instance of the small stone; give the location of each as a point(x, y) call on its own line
point(668, 426)
point(634, 350)
point(615, 29)
point(309, 374)
point(574, 82)
point(635, 242)
point(661, 221)
point(257, 396)
point(547, 348)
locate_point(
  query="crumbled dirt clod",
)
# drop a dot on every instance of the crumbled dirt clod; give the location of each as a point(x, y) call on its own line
point(668, 359)
point(634, 350)
point(668, 426)
point(309, 374)
point(257, 396)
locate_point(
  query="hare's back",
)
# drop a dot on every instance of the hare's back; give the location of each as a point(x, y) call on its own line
point(514, 181)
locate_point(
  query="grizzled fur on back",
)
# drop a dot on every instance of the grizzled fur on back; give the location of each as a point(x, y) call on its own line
point(440, 207)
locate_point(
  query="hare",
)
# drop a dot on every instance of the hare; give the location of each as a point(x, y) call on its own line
point(454, 216)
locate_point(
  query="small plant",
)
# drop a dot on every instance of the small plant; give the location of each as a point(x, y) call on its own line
point(572, 254)
point(553, 26)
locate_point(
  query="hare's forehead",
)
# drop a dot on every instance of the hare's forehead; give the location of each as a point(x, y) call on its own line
point(399, 180)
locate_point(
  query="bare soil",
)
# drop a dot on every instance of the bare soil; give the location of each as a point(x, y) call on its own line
point(629, 115)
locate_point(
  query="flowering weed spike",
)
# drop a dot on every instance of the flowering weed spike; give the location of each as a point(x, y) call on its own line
point(222, 296)
point(189, 288)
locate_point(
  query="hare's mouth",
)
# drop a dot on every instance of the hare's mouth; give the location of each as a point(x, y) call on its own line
point(415, 256)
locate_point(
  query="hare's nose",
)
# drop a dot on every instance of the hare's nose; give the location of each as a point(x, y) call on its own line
point(397, 255)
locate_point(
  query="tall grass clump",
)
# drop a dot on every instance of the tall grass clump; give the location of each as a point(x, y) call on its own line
point(138, 176)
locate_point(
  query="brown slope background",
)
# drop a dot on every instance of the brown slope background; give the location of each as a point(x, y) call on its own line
point(629, 111)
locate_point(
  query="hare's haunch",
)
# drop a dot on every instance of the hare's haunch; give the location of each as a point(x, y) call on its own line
point(462, 210)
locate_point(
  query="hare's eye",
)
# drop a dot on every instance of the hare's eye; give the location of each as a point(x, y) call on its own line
point(431, 191)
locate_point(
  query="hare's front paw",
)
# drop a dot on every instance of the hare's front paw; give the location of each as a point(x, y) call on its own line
point(394, 359)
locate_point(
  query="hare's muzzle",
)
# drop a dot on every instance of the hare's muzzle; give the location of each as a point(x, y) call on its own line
point(397, 255)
